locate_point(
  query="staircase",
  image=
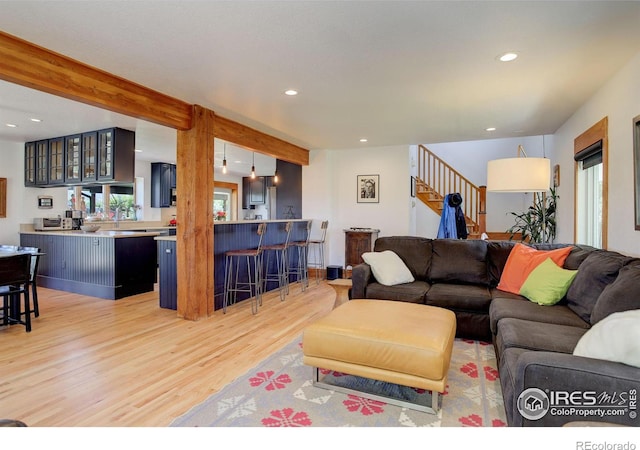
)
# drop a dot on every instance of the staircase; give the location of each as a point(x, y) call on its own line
point(436, 178)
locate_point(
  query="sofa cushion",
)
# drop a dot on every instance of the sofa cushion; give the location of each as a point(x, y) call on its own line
point(409, 292)
point(621, 295)
point(497, 255)
point(459, 261)
point(521, 308)
point(547, 284)
point(388, 268)
point(537, 336)
point(462, 297)
point(614, 338)
point(507, 367)
point(472, 325)
point(596, 272)
point(577, 255)
point(522, 260)
point(414, 251)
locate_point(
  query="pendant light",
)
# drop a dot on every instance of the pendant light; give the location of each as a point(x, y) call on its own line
point(253, 166)
point(224, 159)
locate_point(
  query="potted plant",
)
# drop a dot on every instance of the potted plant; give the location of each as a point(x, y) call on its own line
point(538, 223)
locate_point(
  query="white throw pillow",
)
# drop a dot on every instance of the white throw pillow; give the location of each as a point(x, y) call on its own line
point(614, 338)
point(388, 268)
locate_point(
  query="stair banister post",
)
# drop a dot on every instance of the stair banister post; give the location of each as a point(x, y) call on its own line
point(482, 209)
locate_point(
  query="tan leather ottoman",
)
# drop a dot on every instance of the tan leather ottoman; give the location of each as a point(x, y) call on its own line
point(398, 342)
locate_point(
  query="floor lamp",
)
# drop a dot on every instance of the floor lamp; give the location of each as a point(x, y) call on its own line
point(521, 174)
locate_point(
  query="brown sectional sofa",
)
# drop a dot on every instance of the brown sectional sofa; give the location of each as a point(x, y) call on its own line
point(533, 343)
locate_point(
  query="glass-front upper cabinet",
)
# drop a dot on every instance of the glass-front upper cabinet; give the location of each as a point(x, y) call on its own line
point(89, 156)
point(105, 155)
point(56, 160)
point(42, 159)
point(30, 164)
point(73, 158)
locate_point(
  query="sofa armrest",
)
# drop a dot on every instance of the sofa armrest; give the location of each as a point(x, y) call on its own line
point(361, 276)
point(610, 385)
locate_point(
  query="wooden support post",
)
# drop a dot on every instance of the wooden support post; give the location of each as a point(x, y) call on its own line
point(482, 210)
point(194, 240)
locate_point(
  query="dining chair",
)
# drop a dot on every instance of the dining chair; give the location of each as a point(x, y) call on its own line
point(14, 282)
point(33, 275)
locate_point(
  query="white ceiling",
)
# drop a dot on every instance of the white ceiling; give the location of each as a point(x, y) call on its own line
point(394, 72)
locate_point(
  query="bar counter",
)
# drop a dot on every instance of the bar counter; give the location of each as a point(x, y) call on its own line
point(233, 235)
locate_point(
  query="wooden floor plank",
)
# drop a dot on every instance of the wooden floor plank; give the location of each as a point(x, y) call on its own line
point(95, 362)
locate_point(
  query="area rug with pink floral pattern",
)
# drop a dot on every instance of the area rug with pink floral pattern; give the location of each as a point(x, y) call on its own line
point(279, 392)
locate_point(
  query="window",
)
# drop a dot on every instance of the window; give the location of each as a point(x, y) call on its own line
point(222, 204)
point(93, 200)
point(589, 204)
point(590, 155)
point(225, 201)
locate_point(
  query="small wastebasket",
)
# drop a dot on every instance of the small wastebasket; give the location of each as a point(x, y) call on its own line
point(334, 272)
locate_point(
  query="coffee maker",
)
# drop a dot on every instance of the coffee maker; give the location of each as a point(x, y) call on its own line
point(77, 218)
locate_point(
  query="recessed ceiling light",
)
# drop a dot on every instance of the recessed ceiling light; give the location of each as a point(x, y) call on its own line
point(33, 119)
point(508, 57)
point(490, 129)
point(291, 92)
point(363, 140)
point(12, 125)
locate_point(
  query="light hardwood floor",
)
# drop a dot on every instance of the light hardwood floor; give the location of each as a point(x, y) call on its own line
point(94, 362)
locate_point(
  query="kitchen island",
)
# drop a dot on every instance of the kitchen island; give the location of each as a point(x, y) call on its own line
point(109, 264)
point(233, 235)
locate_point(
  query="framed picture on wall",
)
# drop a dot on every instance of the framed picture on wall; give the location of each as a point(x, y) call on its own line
point(368, 188)
point(636, 168)
point(3, 197)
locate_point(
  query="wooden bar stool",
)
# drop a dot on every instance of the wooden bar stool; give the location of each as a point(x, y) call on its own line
point(281, 275)
point(318, 251)
point(300, 270)
point(253, 284)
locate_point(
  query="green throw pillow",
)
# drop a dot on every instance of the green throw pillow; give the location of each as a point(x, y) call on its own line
point(547, 283)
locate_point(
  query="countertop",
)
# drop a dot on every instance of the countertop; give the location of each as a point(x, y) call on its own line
point(222, 222)
point(99, 233)
point(165, 238)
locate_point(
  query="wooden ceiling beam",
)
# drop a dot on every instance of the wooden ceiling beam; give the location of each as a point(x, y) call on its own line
point(27, 64)
point(259, 142)
point(36, 67)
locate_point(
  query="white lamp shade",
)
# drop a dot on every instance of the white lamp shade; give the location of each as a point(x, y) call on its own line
point(518, 175)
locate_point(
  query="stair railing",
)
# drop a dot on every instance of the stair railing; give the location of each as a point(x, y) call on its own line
point(443, 179)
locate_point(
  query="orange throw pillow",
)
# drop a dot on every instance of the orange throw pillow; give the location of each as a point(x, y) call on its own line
point(522, 260)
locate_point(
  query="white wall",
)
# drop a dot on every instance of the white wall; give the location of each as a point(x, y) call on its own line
point(22, 202)
point(619, 100)
point(329, 191)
